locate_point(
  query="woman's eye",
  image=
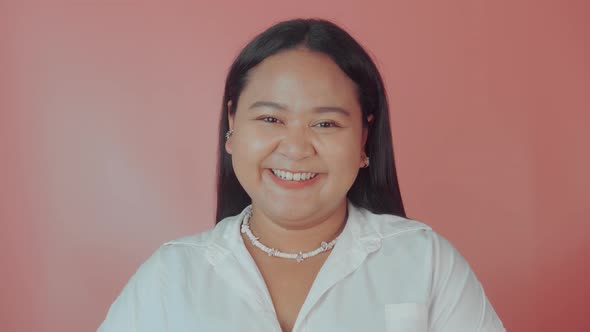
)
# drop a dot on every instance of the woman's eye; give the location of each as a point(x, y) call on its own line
point(323, 124)
point(327, 124)
point(270, 119)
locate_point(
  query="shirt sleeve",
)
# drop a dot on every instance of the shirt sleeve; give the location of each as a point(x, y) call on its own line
point(458, 301)
point(138, 300)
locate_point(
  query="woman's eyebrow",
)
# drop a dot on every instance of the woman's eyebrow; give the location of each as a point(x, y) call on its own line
point(320, 109)
point(268, 104)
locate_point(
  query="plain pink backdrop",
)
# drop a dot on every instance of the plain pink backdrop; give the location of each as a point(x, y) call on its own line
point(108, 125)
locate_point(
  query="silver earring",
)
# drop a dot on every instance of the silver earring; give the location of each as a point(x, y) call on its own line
point(228, 134)
point(366, 159)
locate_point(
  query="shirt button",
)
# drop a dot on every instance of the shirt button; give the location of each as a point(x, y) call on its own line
point(373, 246)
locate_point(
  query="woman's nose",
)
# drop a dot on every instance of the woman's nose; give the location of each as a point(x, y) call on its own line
point(296, 144)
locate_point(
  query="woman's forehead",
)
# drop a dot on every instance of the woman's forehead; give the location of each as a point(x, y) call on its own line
point(300, 76)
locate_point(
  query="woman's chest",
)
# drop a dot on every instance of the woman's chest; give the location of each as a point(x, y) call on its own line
point(224, 309)
point(288, 285)
point(371, 295)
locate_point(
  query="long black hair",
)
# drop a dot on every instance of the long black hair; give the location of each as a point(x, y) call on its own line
point(376, 188)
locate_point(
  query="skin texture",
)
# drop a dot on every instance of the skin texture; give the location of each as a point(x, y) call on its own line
point(284, 121)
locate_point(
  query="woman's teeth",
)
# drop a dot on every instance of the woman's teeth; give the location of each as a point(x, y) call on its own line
point(288, 176)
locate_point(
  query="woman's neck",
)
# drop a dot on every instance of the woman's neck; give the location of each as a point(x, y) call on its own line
point(302, 235)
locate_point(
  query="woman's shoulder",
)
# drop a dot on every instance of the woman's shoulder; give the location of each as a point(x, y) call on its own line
point(186, 255)
point(204, 239)
point(171, 269)
point(199, 245)
point(396, 231)
point(388, 225)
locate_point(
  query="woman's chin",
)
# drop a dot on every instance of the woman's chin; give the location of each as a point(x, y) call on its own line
point(291, 211)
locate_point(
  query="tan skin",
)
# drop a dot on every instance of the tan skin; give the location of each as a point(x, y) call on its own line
point(298, 112)
point(288, 282)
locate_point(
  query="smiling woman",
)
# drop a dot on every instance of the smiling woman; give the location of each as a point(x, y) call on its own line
point(311, 233)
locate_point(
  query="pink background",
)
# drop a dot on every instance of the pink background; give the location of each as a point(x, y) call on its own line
point(108, 119)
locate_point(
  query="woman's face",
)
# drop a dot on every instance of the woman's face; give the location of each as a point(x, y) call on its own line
point(298, 114)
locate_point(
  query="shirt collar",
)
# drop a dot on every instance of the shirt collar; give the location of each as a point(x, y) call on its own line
point(363, 230)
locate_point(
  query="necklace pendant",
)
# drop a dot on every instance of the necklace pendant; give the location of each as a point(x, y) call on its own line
point(299, 257)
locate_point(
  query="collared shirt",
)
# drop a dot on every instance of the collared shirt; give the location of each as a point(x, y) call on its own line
point(386, 273)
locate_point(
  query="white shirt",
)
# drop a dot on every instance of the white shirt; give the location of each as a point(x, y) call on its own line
point(386, 273)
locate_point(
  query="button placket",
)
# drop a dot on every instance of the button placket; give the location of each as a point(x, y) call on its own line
point(372, 245)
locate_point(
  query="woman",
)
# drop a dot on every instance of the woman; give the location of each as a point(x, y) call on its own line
point(312, 233)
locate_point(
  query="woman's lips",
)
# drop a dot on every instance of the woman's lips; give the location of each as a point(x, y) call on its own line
point(292, 184)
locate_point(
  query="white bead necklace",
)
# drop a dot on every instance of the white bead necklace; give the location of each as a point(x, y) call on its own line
point(299, 257)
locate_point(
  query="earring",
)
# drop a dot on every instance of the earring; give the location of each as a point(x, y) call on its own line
point(228, 134)
point(366, 160)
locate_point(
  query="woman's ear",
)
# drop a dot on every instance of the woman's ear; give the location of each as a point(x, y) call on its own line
point(230, 120)
point(366, 130)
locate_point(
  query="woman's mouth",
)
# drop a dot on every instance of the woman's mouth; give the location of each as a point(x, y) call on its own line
point(291, 176)
point(293, 180)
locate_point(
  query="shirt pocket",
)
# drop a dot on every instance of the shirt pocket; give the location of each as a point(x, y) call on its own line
point(406, 317)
